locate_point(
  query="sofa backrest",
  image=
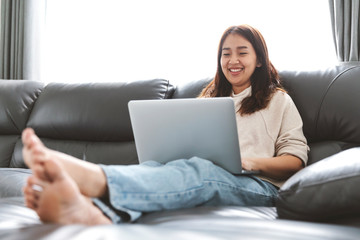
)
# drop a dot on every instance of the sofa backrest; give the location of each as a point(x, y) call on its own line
point(89, 120)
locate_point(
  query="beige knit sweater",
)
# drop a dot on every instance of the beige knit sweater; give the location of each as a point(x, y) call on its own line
point(273, 131)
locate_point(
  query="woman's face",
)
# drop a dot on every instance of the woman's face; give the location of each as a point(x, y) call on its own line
point(238, 61)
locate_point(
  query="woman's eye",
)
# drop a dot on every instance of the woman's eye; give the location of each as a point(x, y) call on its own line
point(244, 53)
point(226, 54)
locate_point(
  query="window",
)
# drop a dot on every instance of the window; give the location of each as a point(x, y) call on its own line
point(113, 40)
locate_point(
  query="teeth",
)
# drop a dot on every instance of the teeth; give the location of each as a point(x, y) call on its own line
point(235, 70)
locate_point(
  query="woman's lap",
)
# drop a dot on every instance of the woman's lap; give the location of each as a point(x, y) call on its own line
point(152, 186)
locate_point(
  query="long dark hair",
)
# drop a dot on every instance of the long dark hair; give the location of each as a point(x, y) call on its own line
point(264, 81)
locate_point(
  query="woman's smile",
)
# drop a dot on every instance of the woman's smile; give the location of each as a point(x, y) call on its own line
point(236, 71)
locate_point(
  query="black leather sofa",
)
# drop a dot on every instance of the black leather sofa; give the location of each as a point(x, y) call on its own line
point(90, 121)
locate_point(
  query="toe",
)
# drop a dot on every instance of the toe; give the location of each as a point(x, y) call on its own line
point(31, 197)
point(30, 139)
point(30, 180)
point(26, 136)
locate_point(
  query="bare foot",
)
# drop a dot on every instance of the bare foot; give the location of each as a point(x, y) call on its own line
point(89, 177)
point(57, 199)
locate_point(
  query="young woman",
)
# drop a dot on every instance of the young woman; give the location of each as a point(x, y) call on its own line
point(66, 190)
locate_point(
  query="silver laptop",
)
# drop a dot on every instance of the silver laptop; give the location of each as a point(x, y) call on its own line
point(167, 130)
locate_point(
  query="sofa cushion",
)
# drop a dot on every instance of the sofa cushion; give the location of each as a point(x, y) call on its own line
point(323, 149)
point(338, 115)
point(92, 111)
point(325, 100)
point(7, 144)
point(191, 89)
point(17, 99)
point(308, 99)
point(12, 181)
point(326, 190)
point(18, 222)
point(90, 121)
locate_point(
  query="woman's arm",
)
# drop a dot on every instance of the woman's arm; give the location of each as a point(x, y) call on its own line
point(280, 167)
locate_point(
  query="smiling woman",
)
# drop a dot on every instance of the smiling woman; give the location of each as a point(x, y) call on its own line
point(238, 62)
point(111, 40)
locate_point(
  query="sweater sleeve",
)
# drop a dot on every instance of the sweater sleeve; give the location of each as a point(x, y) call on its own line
point(291, 139)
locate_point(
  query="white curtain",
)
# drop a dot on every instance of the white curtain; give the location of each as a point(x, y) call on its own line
point(21, 37)
point(345, 17)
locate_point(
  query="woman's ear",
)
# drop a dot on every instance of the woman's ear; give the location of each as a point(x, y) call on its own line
point(259, 64)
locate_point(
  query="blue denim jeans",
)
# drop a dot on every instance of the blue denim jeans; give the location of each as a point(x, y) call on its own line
point(152, 186)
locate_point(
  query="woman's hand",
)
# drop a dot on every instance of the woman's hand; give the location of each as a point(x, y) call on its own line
point(250, 164)
point(280, 167)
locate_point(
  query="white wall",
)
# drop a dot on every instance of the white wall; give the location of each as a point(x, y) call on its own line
point(177, 40)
